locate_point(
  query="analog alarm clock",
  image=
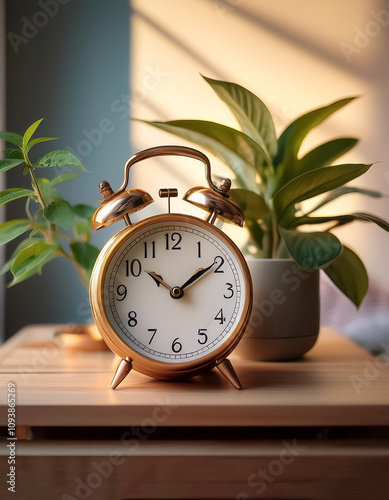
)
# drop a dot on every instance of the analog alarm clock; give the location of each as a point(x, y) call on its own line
point(171, 295)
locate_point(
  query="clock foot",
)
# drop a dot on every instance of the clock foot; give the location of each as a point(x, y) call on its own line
point(227, 370)
point(122, 371)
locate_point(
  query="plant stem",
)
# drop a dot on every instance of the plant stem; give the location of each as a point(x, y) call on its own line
point(52, 236)
point(35, 185)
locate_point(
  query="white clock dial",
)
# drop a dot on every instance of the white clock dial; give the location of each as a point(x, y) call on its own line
point(174, 291)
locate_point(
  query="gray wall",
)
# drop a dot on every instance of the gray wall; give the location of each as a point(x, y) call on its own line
point(2, 125)
point(70, 70)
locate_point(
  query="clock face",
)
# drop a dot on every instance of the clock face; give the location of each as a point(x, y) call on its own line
point(174, 290)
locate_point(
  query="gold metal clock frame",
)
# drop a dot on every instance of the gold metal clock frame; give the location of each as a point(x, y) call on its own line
point(120, 205)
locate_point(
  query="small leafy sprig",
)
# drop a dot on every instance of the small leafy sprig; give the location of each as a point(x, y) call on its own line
point(48, 215)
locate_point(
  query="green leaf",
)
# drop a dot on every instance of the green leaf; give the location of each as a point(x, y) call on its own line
point(60, 213)
point(291, 139)
point(311, 250)
point(13, 154)
point(13, 194)
point(38, 140)
point(29, 133)
point(12, 229)
point(252, 204)
point(341, 219)
point(348, 273)
point(238, 151)
point(63, 178)
point(250, 112)
point(81, 230)
point(324, 155)
point(316, 182)
point(22, 245)
point(59, 159)
point(30, 261)
point(84, 211)
point(341, 191)
point(256, 232)
point(8, 164)
point(15, 139)
point(85, 254)
point(56, 194)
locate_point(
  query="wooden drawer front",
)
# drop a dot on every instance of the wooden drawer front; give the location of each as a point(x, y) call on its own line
point(287, 469)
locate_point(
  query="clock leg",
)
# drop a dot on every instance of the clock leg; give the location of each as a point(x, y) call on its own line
point(122, 371)
point(227, 370)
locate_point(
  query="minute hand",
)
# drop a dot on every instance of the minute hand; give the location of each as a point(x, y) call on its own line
point(196, 275)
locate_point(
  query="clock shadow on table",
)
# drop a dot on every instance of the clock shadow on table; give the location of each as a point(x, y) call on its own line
point(286, 375)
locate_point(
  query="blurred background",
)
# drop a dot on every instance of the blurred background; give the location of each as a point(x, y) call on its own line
point(84, 62)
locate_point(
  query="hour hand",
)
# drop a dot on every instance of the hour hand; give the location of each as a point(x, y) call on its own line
point(158, 279)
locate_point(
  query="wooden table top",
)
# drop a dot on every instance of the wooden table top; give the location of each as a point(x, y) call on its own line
point(336, 383)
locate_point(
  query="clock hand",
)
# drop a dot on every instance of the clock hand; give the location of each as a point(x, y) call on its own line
point(197, 275)
point(158, 279)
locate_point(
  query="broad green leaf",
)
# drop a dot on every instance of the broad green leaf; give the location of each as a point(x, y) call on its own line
point(250, 112)
point(311, 250)
point(349, 274)
point(341, 219)
point(84, 211)
point(15, 139)
point(59, 159)
point(238, 151)
point(22, 245)
point(256, 232)
point(60, 213)
point(324, 155)
point(63, 178)
point(8, 164)
point(85, 254)
point(30, 261)
point(13, 194)
point(252, 204)
point(316, 182)
point(12, 229)
point(13, 154)
point(338, 192)
point(38, 140)
point(81, 230)
point(29, 133)
point(292, 137)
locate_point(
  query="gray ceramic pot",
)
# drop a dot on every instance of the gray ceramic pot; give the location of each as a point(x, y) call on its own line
point(285, 319)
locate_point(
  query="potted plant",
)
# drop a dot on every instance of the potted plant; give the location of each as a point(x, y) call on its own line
point(272, 182)
point(45, 228)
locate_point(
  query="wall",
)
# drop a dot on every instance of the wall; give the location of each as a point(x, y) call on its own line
point(2, 127)
point(70, 68)
point(296, 55)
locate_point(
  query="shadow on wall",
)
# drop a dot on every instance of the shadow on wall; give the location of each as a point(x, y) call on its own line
point(67, 62)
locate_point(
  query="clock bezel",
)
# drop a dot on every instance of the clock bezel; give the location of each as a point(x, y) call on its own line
point(140, 362)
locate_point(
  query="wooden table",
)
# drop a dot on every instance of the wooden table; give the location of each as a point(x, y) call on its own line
point(312, 429)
